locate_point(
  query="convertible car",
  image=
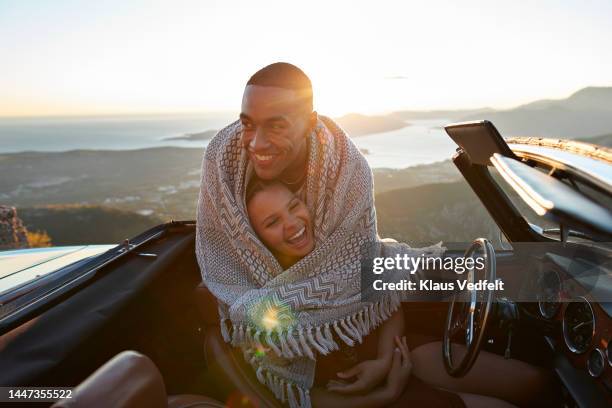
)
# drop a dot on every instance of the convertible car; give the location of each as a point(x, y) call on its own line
point(131, 325)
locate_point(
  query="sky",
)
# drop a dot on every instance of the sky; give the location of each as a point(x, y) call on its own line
point(64, 57)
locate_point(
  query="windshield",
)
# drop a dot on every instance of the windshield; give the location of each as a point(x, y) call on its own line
point(543, 225)
point(22, 266)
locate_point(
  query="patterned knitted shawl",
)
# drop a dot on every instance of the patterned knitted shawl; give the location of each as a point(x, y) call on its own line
point(281, 319)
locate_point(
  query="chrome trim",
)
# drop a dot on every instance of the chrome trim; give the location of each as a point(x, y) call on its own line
point(570, 347)
point(532, 198)
point(603, 360)
point(589, 169)
point(544, 315)
point(609, 352)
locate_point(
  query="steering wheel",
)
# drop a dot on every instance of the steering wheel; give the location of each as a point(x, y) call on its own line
point(471, 316)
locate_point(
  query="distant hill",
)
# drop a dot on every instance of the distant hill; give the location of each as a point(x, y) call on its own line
point(452, 115)
point(73, 225)
point(359, 125)
point(430, 213)
point(589, 98)
point(585, 113)
point(602, 140)
point(394, 179)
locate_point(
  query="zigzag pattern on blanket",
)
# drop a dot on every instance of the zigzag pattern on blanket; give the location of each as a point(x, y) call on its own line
point(308, 291)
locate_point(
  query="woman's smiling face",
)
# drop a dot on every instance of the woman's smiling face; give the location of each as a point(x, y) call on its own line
point(282, 222)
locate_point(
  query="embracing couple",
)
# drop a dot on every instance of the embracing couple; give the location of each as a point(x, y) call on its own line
point(285, 219)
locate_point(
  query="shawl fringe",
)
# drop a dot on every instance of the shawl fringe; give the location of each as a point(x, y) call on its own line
point(312, 340)
point(285, 391)
point(351, 329)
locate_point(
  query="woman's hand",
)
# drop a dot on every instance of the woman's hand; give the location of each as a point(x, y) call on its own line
point(401, 366)
point(368, 374)
point(397, 377)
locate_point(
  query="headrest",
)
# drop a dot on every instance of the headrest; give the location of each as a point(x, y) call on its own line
point(128, 380)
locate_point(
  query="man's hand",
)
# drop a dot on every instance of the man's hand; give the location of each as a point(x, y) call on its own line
point(368, 374)
point(401, 366)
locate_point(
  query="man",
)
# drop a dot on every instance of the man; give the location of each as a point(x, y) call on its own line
point(277, 115)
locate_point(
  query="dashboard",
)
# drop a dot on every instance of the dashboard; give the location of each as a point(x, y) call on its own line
point(582, 323)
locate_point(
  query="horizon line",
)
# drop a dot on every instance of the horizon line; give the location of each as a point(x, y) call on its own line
point(229, 111)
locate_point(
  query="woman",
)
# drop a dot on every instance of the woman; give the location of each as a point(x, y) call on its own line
point(381, 366)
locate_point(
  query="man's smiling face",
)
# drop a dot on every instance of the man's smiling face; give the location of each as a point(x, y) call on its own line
point(274, 125)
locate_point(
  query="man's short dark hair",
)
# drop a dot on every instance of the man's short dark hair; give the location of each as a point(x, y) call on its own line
point(286, 76)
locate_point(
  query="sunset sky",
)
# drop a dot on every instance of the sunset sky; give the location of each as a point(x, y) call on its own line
point(65, 57)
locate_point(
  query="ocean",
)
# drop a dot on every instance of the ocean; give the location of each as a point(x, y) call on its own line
point(423, 141)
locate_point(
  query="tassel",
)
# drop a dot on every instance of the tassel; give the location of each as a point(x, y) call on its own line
point(269, 381)
point(393, 303)
point(291, 397)
point(240, 334)
point(287, 353)
point(293, 343)
point(319, 336)
point(304, 397)
point(372, 316)
point(383, 311)
point(257, 341)
point(380, 311)
point(377, 314)
point(259, 375)
point(347, 340)
point(358, 326)
point(349, 323)
point(283, 391)
point(304, 345)
point(277, 388)
point(249, 336)
point(273, 345)
point(364, 329)
point(307, 402)
point(234, 336)
point(366, 318)
point(356, 323)
point(387, 303)
point(224, 331)
point(347, 329)
point(320, 348)
point(330, 338)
